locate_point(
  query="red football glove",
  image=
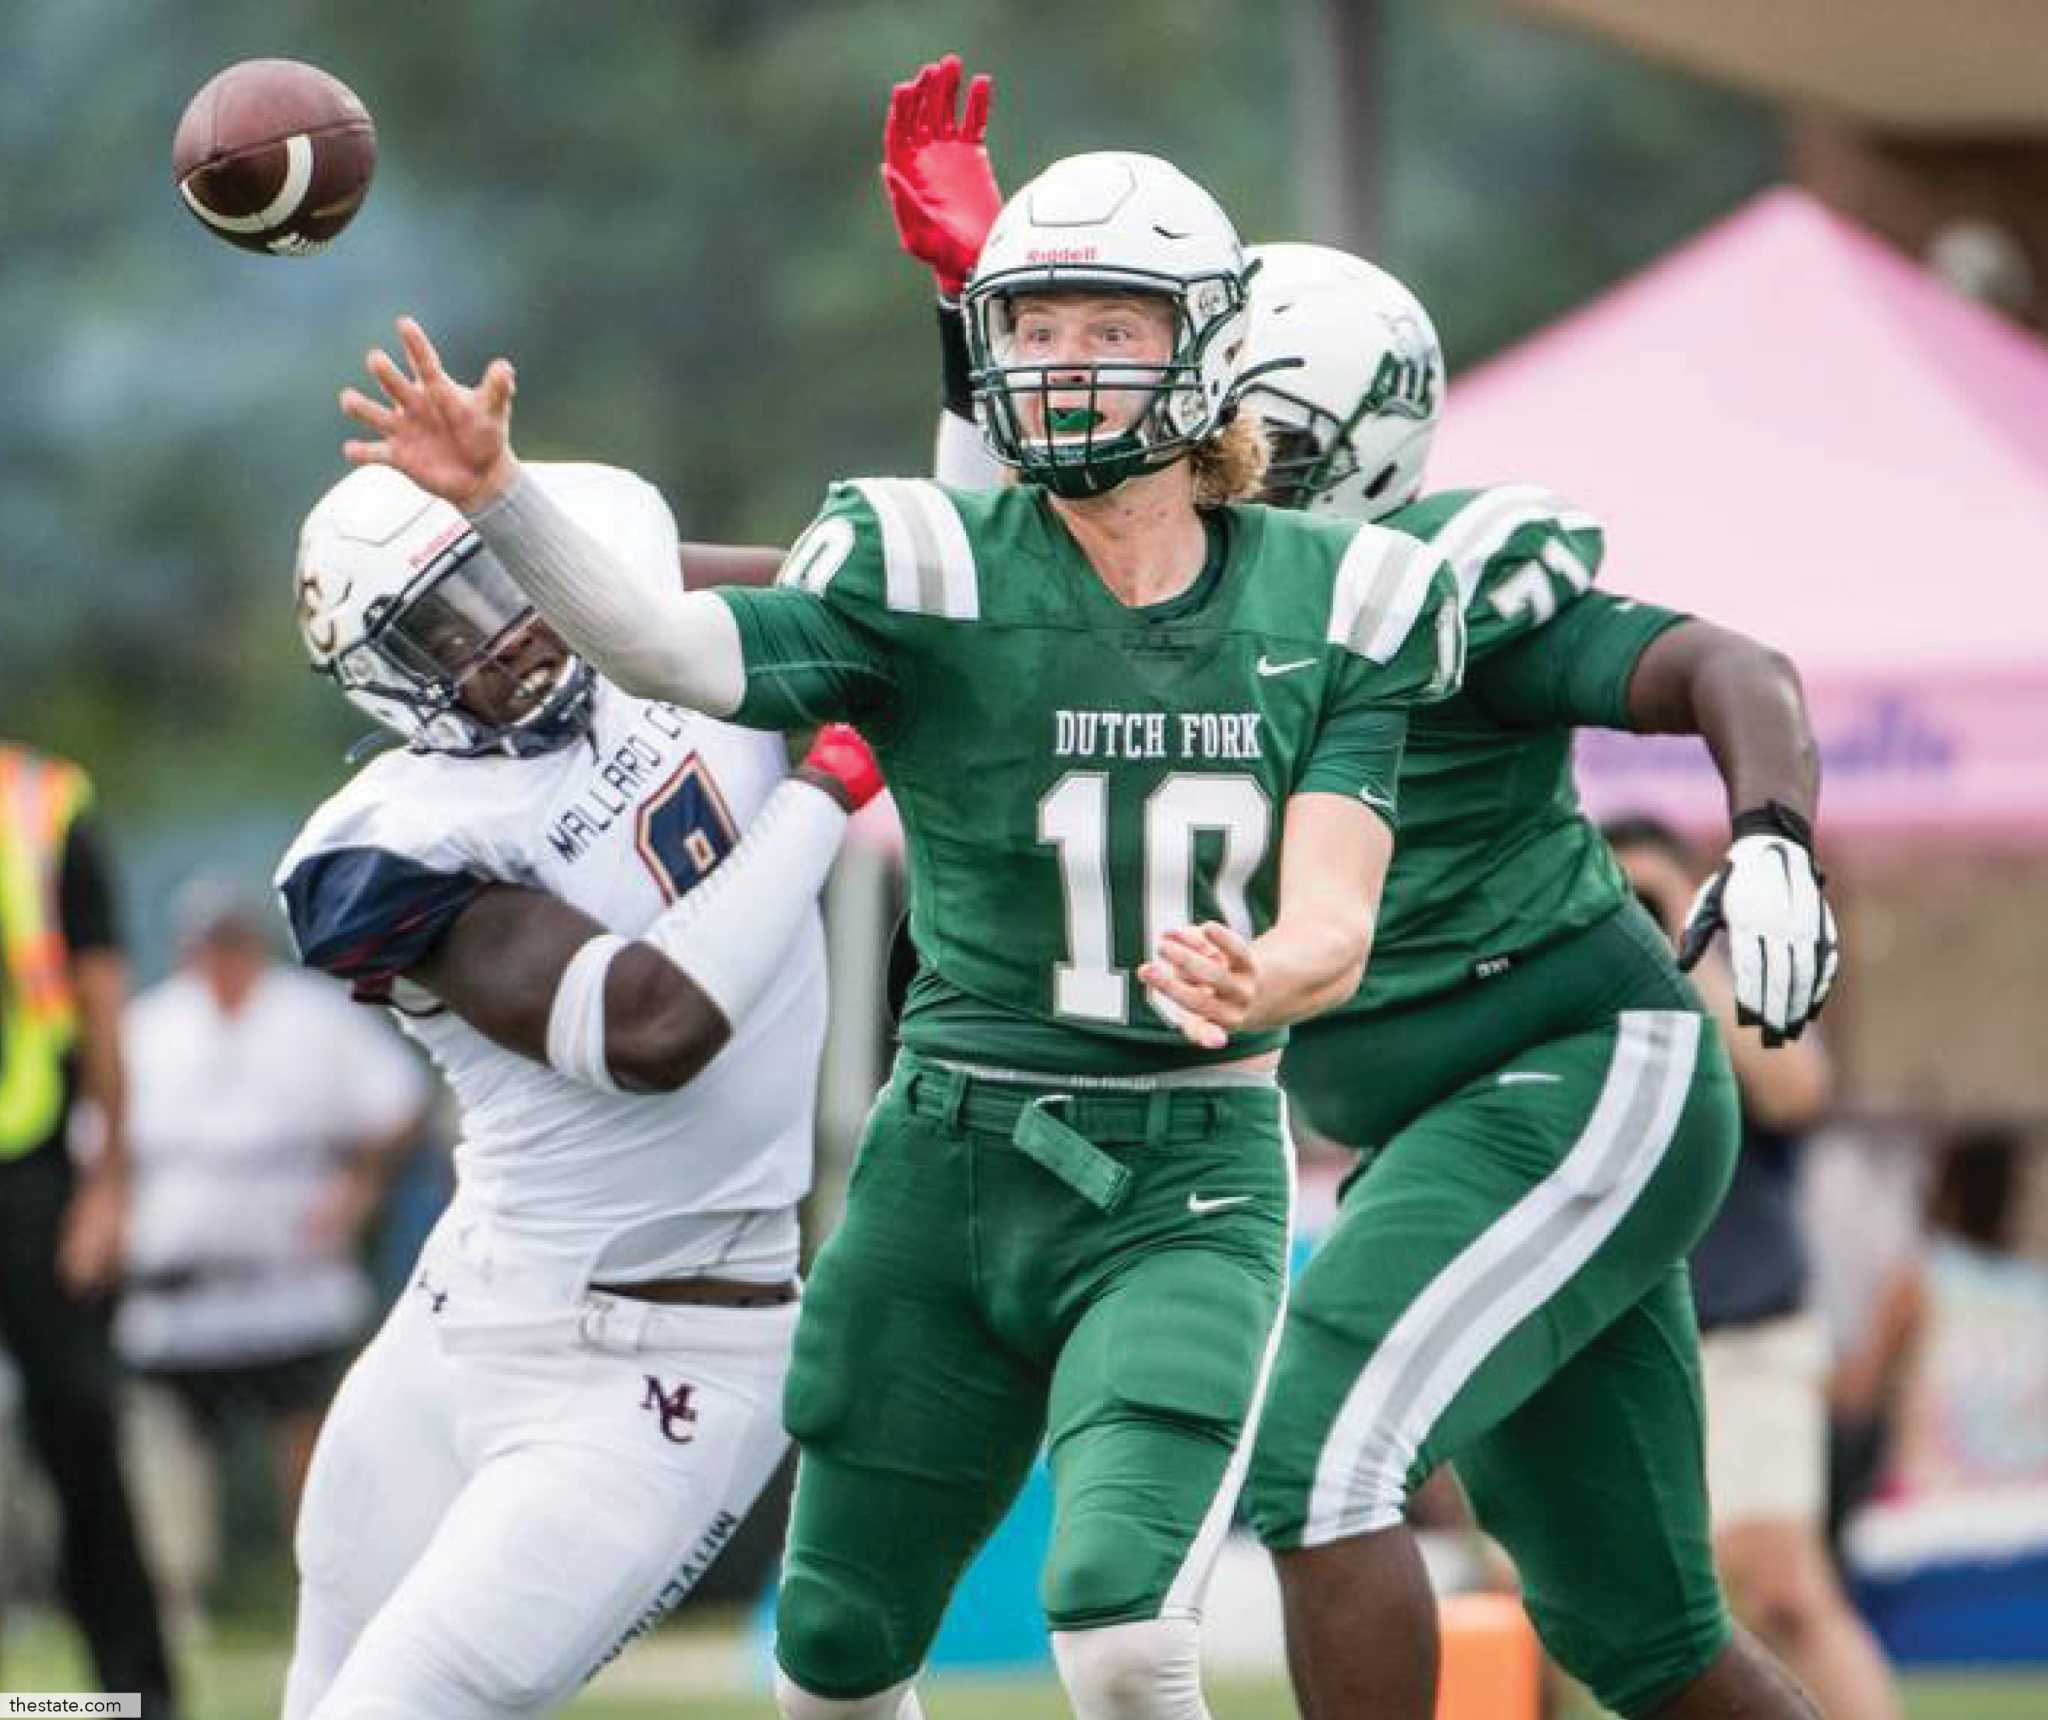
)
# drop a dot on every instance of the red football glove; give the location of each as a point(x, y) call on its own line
point(935, 169)
point(838, 752)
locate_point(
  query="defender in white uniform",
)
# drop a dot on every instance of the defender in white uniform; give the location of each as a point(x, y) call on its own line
point(598, 913)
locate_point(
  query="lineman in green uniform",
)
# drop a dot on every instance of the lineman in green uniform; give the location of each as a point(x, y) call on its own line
point(1144, 751)
point(1548, 1118)
point(1548, 1115)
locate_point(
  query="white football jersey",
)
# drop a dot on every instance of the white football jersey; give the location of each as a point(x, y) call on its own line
point(619, 823)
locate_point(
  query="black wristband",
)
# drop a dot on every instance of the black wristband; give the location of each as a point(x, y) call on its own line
point(956, 383)
point(1774, 818)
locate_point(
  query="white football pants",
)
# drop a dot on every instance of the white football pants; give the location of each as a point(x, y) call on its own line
point(506, 1492)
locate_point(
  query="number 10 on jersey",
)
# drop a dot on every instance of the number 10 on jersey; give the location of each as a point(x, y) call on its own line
point(1074, 819)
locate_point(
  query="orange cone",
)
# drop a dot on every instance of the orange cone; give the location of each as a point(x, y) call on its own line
point(1492, 1664)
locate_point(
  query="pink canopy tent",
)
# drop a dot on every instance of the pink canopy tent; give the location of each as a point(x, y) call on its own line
point(1791, 429)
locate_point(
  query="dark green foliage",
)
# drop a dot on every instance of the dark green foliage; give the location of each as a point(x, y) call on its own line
point(668, 215)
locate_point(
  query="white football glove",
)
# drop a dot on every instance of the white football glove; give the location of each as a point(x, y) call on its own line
point(1781, 933)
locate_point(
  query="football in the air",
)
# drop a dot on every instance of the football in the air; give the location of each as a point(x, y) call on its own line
point(275, 156)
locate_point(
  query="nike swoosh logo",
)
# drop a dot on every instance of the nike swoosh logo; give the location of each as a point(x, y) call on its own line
point(1524, 1077)
point(1379, 802)
point(1202, 1208)
point(1266, 666)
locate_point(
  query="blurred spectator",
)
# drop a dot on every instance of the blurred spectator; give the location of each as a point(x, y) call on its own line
point(1864, 1201)
point(268, 1114)
point(62, 982)
point(1974, 1413)
point(1763, 1350)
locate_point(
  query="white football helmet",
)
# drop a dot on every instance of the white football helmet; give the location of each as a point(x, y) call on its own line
point(1108, 222)
point(1350, 381)
point(399, 601)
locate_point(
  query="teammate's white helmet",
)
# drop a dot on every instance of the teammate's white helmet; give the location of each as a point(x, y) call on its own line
point(1351, 419)
point(1108, 222)
point(399, 601)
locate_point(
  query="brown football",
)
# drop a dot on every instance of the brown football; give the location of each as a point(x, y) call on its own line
point(274, 156)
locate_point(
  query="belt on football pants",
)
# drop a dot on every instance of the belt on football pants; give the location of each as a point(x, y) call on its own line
point(1058, 1130)
point(706, 1292)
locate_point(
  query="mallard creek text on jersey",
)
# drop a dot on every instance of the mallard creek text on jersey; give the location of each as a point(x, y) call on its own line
point(635, 765)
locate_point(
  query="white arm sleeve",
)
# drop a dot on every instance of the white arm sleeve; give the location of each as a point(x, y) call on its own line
point(729, 935)
point(576, 1018)
point(960, 458)
point(654, 640)
point(731, 932)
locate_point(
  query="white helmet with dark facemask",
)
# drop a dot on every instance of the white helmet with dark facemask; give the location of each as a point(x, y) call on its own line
point(1111, 222)
point(399, 601)
point(1350, 383)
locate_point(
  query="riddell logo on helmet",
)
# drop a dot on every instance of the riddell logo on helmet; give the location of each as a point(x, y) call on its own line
point(434, 546)
point(1063, 254)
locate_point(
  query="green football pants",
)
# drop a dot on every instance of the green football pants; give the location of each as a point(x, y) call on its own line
point(1505, 1286)
point(1102, 1271)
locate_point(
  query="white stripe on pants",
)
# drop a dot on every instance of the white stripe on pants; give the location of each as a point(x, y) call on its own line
point(1503, 1277)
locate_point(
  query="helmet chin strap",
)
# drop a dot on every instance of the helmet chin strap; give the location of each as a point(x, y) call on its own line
point(1079, 483)
point(1097, 475)
point(559, 719)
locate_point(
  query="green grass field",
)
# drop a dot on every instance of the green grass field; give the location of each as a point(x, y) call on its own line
point(240, 1678)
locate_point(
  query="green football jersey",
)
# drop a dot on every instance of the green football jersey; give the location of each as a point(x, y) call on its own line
point(1495, 855)
point(1075, 776)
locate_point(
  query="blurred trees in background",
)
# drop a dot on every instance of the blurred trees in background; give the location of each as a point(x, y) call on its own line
point(668, 215)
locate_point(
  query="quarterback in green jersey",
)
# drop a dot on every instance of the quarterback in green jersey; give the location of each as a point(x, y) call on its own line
point(1548, 1116)
point(1144, 742)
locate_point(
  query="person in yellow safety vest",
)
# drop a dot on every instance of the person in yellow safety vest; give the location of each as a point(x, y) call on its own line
point(62, 986)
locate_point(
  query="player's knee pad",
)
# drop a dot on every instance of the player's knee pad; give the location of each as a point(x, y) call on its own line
point(1148, 1670)
point(794, 1702)
point(1634, 1668)
point(1100, 1567)
point(834, 1636)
